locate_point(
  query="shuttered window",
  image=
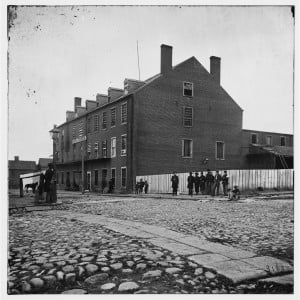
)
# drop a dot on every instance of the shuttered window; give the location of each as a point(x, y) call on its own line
point(187, 116)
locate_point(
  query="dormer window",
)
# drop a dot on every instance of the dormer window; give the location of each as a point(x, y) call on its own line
point(188, 89)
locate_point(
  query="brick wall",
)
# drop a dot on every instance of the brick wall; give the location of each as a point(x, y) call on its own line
point(160, 130)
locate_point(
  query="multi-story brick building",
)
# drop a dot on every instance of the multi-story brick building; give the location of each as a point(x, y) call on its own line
point(180, 119)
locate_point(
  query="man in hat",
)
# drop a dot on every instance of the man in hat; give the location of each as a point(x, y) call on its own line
point(48, 178)
point(175, 183)
point(197, 183)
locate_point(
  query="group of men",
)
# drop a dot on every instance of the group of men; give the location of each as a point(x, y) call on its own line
point(141, 186)
point(208, 184)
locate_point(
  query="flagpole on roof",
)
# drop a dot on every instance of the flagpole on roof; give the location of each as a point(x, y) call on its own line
point(137, 50)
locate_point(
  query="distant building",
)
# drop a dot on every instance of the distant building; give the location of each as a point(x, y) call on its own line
point(180, 119)
point(43, 163)
point(18, 167)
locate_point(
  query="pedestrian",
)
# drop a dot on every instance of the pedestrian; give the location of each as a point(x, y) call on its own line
point(41, 186)
point(137, 187)
point(111, 186)
point(202, 183)
point(197, 183)
point(225, 180)
point(235, 194)
point(141, 186)
point(175, 183)
point(146, 187)
point(209, 180)
point(216, 185)
point(190, 185)
point(48, 182)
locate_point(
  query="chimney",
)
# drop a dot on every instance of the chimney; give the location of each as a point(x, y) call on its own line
point(101, 99)
point(16, 158)
point(165, 59)
point(215, 68)
point(77, 102)
point(70, 115)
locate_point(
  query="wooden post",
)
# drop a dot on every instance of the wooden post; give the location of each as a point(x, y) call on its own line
point(21, 187)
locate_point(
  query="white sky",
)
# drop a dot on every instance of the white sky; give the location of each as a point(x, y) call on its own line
point(57, 53)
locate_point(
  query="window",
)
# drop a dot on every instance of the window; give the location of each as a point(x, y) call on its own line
point(282, 141)
point(62, 178)
point(253, 138)
point(113, 147)
point(104, 148)
point(104, 120)
point(96, 149)
point(269, 140)
point(123, 176)
point(113, 117)
point(188, 89)
point(123, 144)
point(124, 113)
point(187, 116)
point(80, 129)
point(74, 131)
point(89, 149)
point(89, 123)
point(187, 148)
point(96, 122)
point(220, 150)
point(96, 177)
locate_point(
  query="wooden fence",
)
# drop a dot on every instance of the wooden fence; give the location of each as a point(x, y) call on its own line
point(281, 179)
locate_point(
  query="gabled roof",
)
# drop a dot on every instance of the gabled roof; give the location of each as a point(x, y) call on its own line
point(21, 165)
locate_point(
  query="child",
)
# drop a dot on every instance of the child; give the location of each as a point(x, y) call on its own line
point(234, 194)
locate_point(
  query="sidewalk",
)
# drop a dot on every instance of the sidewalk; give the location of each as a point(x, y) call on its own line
point(234, 264)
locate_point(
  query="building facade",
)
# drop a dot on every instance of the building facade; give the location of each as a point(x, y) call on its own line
point(180, 119)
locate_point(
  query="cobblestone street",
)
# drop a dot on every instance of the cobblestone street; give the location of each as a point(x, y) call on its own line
point(57, 252)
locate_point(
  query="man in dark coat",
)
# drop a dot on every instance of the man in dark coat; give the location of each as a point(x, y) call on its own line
point(197, 183)
point(216, 185)
point(190, 185)
point(202, 183)
point(209, 180)
point(48, 178)
point(175, 183)
point(225, 180)
point(41, 186)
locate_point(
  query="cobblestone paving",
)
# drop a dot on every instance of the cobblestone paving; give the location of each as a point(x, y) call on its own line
point(49, 255)
point(265, 227)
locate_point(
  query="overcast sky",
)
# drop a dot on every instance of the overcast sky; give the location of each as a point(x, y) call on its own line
point(57, 53)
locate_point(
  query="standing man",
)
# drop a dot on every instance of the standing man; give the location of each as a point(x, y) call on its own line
point(225, 180)
point(190, 185)
point(197, 183)
point(175, 183)
point(202, 183)
point(209, 180)
point(216, 185)
point(48, 178)
point(146, 187)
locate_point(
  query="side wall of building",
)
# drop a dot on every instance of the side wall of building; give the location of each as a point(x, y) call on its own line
point(160, 130)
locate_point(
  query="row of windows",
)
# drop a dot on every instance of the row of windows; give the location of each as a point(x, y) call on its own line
point(93, 121)
point(187, 149)
point(61, 176)
point(93, 150)
point(254, 139)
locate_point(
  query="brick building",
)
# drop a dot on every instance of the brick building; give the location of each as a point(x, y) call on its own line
point(18, 167)
point(180, 119)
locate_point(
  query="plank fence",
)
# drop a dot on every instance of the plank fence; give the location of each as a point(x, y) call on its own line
point(281, 179)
